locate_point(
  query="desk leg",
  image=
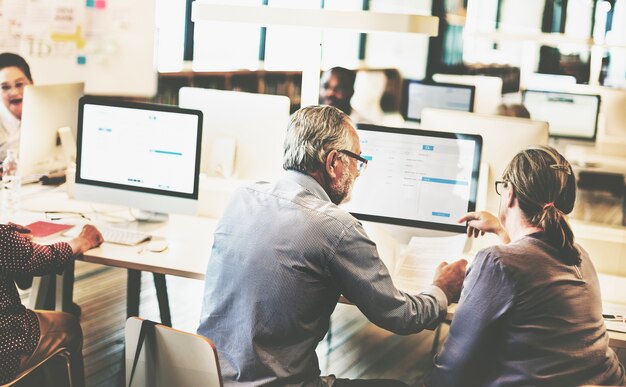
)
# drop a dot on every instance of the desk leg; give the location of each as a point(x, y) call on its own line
point(52, 292)
point(68, 290)
point(133, 290)
point(164, 305)
point(59, 301)
point(37, 297)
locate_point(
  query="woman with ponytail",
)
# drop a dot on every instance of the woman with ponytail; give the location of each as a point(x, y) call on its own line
point(530, 313)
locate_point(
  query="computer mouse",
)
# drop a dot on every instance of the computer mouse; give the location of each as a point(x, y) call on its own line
point(156, 245)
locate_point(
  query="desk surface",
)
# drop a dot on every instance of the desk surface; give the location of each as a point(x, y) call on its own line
point(190, 239)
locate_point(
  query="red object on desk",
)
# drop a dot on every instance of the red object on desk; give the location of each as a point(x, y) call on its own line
point(43, 229)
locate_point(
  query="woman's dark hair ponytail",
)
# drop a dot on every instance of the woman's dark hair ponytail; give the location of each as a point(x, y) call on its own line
point(545, 187)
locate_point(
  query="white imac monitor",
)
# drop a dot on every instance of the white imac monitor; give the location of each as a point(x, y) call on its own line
point(138, 155)
point(571, 116)
point(243, 132)
point(416, 178)
point(503, 137)
point(611, 139)
point(417, 95)
point(488, 90)
point(540, 81)
point(46, 109)
point(614, 112)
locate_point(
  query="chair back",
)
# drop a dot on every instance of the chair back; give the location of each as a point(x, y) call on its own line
point(170, 357)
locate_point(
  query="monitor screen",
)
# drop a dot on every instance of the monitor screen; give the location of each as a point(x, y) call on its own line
point(418, 95)
point(570, 115)
point(140, 155)
point(416, 178)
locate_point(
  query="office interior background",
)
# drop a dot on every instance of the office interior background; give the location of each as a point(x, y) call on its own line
point(502, 47)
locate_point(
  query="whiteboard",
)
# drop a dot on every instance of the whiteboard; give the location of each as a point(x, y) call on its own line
point(108, 44)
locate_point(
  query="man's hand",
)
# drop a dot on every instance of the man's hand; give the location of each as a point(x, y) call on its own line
point(88, 239)
point(479, 223)
point(449, 278)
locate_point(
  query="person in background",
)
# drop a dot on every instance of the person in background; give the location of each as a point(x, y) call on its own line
point(14, 76)
point(513, 110)
point(284, 252)
point(337, 89)
point(30, 336)
point(530, 312)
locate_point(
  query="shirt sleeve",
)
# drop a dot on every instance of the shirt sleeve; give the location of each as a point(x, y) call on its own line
point(488, 294)
point(363, 278)
point(19, 255)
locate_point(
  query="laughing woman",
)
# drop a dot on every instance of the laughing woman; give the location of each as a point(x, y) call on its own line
point(14, 76)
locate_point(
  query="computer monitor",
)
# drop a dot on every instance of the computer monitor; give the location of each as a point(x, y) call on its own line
point(488, 90)
point(614, 112)
point(243, 132)
point(46, 109)
point(138, 155)
point(416, 178)
point(503, 137)
point(417, 95)
point(572, 116)
point(611, 140)
point(541, 81)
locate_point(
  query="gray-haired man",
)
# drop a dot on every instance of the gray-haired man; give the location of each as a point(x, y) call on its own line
point(283, 254)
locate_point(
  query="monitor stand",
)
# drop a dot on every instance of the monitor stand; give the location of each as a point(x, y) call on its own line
point(150, 216)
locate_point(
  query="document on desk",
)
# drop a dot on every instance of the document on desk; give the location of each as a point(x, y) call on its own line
point(418, 262)
point(617, 326)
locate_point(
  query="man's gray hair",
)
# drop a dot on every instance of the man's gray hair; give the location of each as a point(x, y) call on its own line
point(313, 131)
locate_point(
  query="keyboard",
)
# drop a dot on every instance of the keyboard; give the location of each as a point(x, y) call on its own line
point(115, 235)
point(123, 237)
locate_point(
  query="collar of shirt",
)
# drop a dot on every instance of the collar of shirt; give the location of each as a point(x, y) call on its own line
point(308, 183)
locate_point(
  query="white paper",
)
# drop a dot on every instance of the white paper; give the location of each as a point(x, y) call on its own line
point(418, 263)
point(616, 326)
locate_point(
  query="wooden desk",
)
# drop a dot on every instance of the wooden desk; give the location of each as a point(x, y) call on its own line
point(189, 245)
point(190, 240)
point(189, 237)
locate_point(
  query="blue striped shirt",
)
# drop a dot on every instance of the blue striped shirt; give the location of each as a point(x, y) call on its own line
point(282, 255)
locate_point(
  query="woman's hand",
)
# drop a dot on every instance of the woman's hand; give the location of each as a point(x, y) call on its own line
point(479, 223)
point(88, 239)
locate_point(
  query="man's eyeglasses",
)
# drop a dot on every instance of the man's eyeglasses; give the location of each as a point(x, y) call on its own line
point(499, 185)
point(361, 162)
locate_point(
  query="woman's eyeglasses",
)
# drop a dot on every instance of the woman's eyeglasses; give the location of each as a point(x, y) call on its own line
point(499, 185)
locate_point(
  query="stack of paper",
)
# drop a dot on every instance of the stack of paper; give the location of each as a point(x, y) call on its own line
point(417, 264)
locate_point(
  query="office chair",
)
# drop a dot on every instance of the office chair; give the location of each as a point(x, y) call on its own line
point(159, 356)
point(28, 377)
